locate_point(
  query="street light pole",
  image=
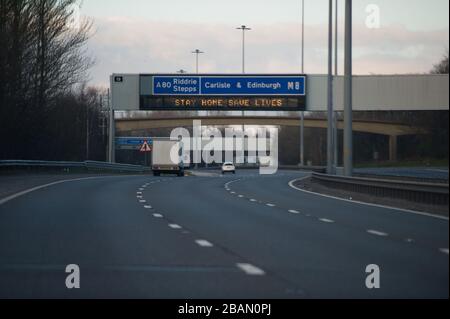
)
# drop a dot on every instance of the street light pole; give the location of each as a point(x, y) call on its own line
point(243, 28)
point(303, 37)
point(336, 73)
point(330, 148)
point(302, 113)
point(348, 99)
point(197, 54)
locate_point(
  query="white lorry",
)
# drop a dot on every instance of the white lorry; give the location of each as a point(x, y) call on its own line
point(167, 157)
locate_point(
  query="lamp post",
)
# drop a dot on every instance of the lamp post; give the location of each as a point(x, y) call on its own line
point(197, 53)
point(336, 74)
point(302, 114)
point(330, 147)
point(348, 101)
point(243, 28)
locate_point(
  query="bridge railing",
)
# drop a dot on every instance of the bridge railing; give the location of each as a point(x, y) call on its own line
point(64, 166)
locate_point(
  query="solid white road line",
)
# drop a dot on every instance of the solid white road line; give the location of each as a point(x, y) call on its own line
point(293, 211)
point(444, 250)
point(292, 185)
point(175, 226)
point(377, 233)
point(10, 198)
point(326, 220)
point(251, 270)
point(204, 243)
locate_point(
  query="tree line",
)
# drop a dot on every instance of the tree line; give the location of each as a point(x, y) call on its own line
point(45, 111)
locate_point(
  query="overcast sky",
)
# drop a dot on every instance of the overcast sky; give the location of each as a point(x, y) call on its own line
point(157, 36)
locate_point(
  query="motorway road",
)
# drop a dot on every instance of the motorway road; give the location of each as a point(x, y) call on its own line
point(242, 236)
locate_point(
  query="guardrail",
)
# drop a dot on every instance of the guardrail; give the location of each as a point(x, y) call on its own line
point(87, 166)
point(403, 178)
point(427, 193)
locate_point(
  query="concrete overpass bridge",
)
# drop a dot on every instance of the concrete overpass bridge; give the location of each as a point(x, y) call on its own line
point(370, 93)
point(126, 126)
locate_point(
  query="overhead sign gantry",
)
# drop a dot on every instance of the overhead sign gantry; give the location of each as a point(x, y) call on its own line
point(221, 92)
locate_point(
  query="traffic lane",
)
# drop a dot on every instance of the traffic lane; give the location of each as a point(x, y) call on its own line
point(403, 226)
point(322, 260)
point(123, 251)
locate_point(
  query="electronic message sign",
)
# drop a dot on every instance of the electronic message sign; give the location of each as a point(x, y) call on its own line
point(223, 92)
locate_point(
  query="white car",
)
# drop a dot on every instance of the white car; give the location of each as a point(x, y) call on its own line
point(228, 168)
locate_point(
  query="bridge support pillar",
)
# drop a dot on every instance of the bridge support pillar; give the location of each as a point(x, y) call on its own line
point(393, 148)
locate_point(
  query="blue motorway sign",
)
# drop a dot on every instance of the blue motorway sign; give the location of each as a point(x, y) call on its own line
point(229, 85)
point(132, 143)
point(173, 85)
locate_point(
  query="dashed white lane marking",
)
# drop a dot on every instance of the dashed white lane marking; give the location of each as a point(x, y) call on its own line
point(270, 205)
point(444, 250)
point(142, 201)
point(148, 207)
point(139, 197)
point(141, 189)
point(233, 193)
point(326, 220)
point(251, 270)
point(158, 216)
point(253, 200)
point(175, 226)
point(138, 193)
point(377, 233)
point(204, 243)
point(241, 196)
point(293, 211)
point(409, 240)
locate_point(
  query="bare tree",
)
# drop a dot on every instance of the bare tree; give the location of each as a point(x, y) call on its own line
point(42, 56)
point(442, 66)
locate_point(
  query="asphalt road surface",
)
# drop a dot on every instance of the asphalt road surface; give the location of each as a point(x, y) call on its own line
point(239, 236)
